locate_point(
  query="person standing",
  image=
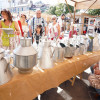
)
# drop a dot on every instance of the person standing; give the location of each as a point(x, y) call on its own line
point(38, 33)
point(7, 23)
point(61, 22)
point(94, 78)
point(54, 28)
point(22, 23)
point(38, 20)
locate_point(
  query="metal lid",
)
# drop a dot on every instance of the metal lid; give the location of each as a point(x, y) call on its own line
point(25, 42)
point(1, 50)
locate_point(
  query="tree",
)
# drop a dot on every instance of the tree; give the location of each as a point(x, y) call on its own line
point(59, 9)
point(94, 11)
point(52, 10)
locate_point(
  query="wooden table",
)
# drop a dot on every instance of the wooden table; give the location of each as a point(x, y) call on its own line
point(28, 86)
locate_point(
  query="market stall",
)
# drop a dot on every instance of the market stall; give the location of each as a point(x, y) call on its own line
point(84, 22)
point(29, 86)
point(82, 4)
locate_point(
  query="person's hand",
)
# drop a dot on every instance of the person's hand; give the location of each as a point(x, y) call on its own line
point(33, 39)
point(0, 31)
point(96, 66)
point(97, 72)
point(16, 32)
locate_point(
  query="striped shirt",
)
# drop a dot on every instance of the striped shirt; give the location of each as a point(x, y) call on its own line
point(37, 21)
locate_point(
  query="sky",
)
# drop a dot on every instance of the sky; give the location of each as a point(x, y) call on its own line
point(52, 2)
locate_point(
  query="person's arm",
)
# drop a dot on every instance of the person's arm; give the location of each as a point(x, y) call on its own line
point(26, 24)
point(30, 31)
point(0, 29)
point(30, 27)
point(17, 28)
point(97, 72)
point(96, 66)
point(75, 32)
point(70, 34)
point(58, 30)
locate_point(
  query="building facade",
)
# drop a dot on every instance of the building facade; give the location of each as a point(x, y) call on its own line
point(25, 5)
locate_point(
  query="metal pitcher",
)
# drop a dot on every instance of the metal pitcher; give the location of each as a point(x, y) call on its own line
point(46, 60)
point(5, 71)
point(82, 48)
point(25, 56)
point(77, 50)
point(58, 54)
point(69, 51)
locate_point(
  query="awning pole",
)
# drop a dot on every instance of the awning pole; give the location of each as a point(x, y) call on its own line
point(74, 19)
point(69, 8)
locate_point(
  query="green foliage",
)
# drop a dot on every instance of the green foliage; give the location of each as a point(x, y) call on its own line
point(94, 11)
point(59, 9)
point(52, 10)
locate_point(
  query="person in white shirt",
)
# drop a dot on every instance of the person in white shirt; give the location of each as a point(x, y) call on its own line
point(61, 22)
point(54, 28)
point(38, 20)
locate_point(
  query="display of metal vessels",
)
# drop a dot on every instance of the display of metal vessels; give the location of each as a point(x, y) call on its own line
point(5, 71)
point(25, 56)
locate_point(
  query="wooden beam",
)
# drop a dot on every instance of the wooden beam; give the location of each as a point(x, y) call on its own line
point(74, 19)
point(73, 1)
point(69, 8)
point(81, 1)
point(85, 1)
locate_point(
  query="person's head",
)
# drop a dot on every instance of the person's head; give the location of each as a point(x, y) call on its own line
point(39, 29)
point(54, 18)
point(23, 17)
point(63, 16)
point(6, 15)
point(38, 13)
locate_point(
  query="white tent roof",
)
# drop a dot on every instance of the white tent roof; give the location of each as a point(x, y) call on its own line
point(85, 4)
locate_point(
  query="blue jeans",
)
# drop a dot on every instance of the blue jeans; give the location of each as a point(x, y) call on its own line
point(98, 91)
point(92, 70)
point(90, 48)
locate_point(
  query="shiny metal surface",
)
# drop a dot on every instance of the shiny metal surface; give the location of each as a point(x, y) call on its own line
point(25, 57)
point(82, 49)
point(58, 54)
point(25, 63)
point(1, 53)
point(5, 71)
point(46, 60)
point(25, 42)
point(69, 51)
point(77, 51)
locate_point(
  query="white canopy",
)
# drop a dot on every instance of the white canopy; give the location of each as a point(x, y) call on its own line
point(85, 4)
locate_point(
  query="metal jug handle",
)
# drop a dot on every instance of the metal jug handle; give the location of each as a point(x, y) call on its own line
point(53, 51)
point(6, 59)
point(7, 67)
point(8, 64)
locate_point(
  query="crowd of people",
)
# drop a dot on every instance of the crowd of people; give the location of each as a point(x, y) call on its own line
point(23, 28)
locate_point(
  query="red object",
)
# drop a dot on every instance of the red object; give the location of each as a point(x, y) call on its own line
point(60, 37)
point(52, 38)
point(70, 34)
point(50, 30)
point(20, 25)
point(84, 32)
